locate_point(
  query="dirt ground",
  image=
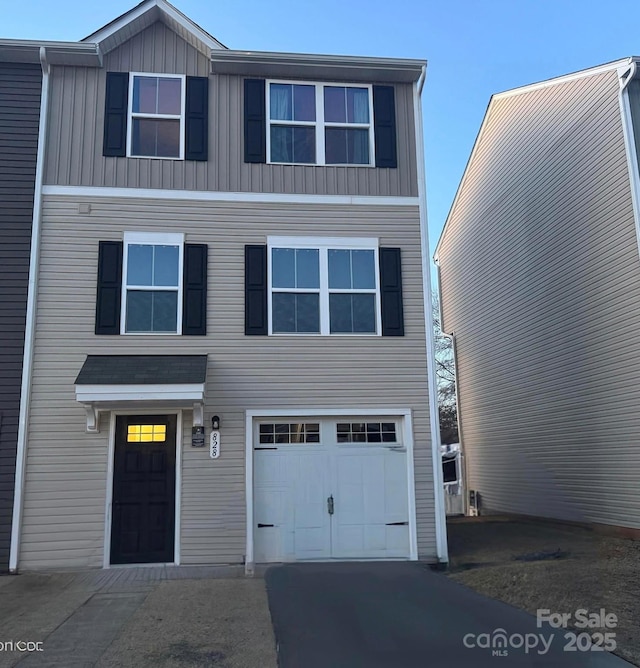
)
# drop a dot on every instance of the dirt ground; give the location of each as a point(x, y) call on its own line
point(591, 571)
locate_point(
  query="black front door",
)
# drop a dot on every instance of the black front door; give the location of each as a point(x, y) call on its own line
point(144, 478)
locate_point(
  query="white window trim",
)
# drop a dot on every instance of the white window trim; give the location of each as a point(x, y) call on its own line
point(323, 244)
point(131, 115)
point(319, 124)
point(152, 239)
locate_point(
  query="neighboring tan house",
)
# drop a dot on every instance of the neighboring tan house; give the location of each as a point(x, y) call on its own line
point(540, 282)
point(232, 356)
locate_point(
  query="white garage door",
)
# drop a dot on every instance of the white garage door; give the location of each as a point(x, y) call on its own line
point(330, 489)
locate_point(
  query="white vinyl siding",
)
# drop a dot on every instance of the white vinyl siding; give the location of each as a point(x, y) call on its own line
point(66, 467)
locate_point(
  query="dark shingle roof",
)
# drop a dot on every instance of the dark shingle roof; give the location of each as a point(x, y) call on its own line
point(142, 370)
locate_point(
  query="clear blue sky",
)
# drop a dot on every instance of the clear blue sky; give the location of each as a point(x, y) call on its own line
point(474, 48)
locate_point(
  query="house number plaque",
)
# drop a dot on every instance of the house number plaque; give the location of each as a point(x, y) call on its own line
point(214, 445)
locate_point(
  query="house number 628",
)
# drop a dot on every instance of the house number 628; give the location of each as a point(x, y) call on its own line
point(214, 445)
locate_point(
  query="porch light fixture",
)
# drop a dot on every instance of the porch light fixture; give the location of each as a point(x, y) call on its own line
point(215, 423)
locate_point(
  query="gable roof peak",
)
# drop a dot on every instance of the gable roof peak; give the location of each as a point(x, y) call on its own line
point(145, 14)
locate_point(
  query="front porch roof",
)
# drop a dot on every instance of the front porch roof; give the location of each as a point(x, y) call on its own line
point(107, 382)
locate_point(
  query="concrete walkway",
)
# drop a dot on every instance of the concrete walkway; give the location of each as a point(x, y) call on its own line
point(173, 616)
point(402, 615)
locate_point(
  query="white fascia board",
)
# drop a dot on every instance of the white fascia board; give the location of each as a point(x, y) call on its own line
point(165, 8)
point(208, 196)
point(120, 393)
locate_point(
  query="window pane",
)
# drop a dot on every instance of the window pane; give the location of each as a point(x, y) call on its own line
point(347, 146)
point(340, 316)
point(363, 269)
point(139, 264)
point(364, 313)
point(283, 268)
point(296, 312)
point(284, 312)
point(158, 138)
point(358, 147)
point(357, 105)
point(151, 311)
point(349, 313)
point(304, 145)
point(334, 104)
point(340, 269)
point(293, 144)
point(307, 268)
point(145, 95)
point(281, 108)
point(165, 265)
point(308, 313)
point(304, 103)
point(139, 307)
point(335, 146)
point(169, 96)
point(165, 311)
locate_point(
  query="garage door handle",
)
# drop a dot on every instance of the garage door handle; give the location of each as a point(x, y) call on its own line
point(262, 526)
point(397, 524)
point(330, 505)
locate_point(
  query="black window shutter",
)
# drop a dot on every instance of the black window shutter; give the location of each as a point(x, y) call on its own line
point(391, 292)
point(384, 126)
point(255, 123)
point(109, 292)
point(255, 290)
point(194, 290)
point(115, 114)
point(197, 118)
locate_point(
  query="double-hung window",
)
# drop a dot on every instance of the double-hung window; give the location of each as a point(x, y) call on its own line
point(157, 116)
point(321, 124)
point(324, 286)
point(152, 285)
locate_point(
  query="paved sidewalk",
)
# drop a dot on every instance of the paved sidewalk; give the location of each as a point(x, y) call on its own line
point(158, 617)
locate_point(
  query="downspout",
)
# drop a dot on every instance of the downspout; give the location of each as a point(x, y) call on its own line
point(438, 483)
point(452, 337)
point(27, 360)
point(626, 75)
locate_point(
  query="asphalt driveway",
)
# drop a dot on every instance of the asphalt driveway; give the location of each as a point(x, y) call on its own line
point(401, 615)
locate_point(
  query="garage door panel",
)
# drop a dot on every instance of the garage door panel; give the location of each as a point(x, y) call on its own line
point(369, 488)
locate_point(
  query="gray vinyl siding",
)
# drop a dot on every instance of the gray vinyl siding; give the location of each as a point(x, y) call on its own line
point(19, 120)
point(76, 131)
point(67, 468)
point(540, 279)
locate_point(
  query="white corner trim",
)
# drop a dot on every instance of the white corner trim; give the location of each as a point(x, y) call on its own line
point(436, 458)
point(187, 392)
point(209, 196)
point(328, 412)
point(29, 335)
point(628, 132)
